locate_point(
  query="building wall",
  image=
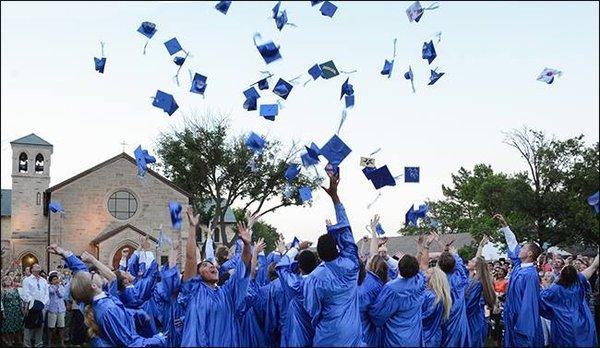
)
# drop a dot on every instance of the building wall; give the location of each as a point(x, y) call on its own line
point(85, 202)
point(5, 243)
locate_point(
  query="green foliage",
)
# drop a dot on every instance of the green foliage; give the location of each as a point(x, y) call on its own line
point(261, 229)
point(468, 251)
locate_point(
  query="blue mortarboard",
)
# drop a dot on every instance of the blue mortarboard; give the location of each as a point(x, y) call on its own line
point(223, 6)
point(99, 64)
point(315, 71)
point(250, 104)
point(255, 143)
point(313, 3)
point(198, 84)
point(335, 150)
point(429, 51)
point(251, 97)
point(283, 88)
point(269, 111)
point(594, 201)
point(295, 243)
point(347, 88)
point(281, 20)
point(548, 75)
point(381, 177)
point(269, 52)
point(305, 193)
point(368, 171)
point(349, 101)
point(409, 76)
point(292, 172)
point(387, 68)
point(263, 84)
point(175, 210)
point(434, 77)
point(411, 174)
point(328, 70)
point(311, 157)
point(379, 229)
point(173, 46)
point(414, 12)
point(276, 9)
point(166, 102)
point(179, 60)
point(142, 159)
point(328, 9)
point(55, 207)
point(147, 29)
point(412, 215)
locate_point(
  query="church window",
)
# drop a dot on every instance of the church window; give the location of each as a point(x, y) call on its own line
point(23, 162)
point(38, 198)
point(39, 164)
point(122, 205)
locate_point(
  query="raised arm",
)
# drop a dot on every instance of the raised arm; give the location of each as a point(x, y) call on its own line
point(190, 247)
point(71, 261)
point(424, 248)
point(373, 229)
point(258, 247)
point(589, 272)
point(102, 268)
point(482, 243)
point(509, 236)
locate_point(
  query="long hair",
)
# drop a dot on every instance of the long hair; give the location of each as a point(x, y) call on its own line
point(90, 321)
point(438, 282)
point(81, 287)
point(378, 266)
point(482, 274)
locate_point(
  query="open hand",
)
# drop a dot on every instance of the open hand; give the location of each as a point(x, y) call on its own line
point(193, 220)
point(501, 219)
point(260, 245)
point(304, 245)
point(55, 249)
point(334, 180)
point(251, 219)
point(374, 223)
point(244, 233)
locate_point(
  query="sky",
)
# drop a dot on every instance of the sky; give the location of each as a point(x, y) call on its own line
point(490, 52)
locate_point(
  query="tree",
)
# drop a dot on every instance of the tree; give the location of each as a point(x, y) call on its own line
point(263, 230)
point(545, 204)
point(204, 159)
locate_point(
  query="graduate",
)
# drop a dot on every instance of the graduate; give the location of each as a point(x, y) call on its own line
point(105, 315)
point(331, 290)
point(455, 330)
point(275, 308)
point(211, 313)
point(479, 293)
point(572, 323)
point(297, 328)
point(522, 324)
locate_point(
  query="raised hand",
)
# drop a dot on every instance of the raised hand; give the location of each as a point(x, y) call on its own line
point(432, 236)
point(193, 220)
point(260, 245)
point(125, 253)
point(304, 245)
point(327, 222)
point(399, 254)
point(374, 223)
point(501, 219)
point(334, 180)
point(55, 249)
point(251, 219)
point(244, 233)
point(484, 240)
point(87, 257)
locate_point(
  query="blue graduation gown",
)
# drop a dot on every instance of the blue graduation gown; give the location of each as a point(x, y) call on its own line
point(297, 329)
point(275, 307)
point(367, 294)
point(211, 317)
point(433, 315)
point(331, 291)
point(172, 304)
point(572, 320)
point(397, 310)
point(134, 295)
point(476, 313)
point(522, 323)
point(455, 330)
point(262, 276)
point(252, 319)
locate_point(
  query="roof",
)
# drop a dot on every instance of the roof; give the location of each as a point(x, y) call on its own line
point(31, 139)
point(122, 155)
point(408, 244)
point(6, 202)
point(107, 234)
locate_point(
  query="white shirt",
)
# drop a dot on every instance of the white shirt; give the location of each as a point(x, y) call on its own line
point(35, 288)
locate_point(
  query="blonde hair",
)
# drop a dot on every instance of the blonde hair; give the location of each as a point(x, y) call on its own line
point(81, 287)
point(438, 282)
point(90, 321)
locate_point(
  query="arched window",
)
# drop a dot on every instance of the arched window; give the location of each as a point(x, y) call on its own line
point(39, 164)
point(38, 198)
point(23, 162)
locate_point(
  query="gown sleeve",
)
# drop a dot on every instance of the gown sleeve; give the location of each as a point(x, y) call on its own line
point(112, 324)
point(75, 264)
point(142, 288)
point(237, 285)
point(343, 235)
point(384, 307)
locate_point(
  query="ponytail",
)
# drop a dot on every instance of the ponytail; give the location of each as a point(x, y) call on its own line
point(90, 322)
point(441, 288)
point(487, 284)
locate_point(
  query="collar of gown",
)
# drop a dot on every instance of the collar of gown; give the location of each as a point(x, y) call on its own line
point(526, 264)
point(99, 296)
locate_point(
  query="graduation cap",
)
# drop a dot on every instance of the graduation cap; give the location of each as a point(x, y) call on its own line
point(281, 20)
point(328, 70)
point(276, 9)
point(223, 6)
point(142, 159)
point(179, 61)
point(283, 88)
point(367, 171)
point(251, 99)
point(349, 101)
point(413, 215)
point(429, 51)
point(347, 88)
point(328, 9)
point(148, 29)
point(594, 201)
point(548, 75)
point(335, 150)
point(434, 76)
point(415, 11)
point(411, 174)
point(315, 71)
point(55, 207)
point(269, 51)
point(269, 111)
point(380, 177)
point(311, 157)
point(173, 46)
point(295, 243)
point(255, 143)
point(313, 3)
point(409, 76)
point(99, 64)
point(305, 194)
point(292, 172)
point(367, 162)
point(198, 84)
point(379, 229)
point(175, 210)
point(387, 68)
point(165, 101)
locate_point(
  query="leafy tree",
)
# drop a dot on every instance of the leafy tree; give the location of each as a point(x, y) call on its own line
point(263, 230)
point(211, 164)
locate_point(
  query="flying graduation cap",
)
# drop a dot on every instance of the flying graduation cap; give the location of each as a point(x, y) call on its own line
point(280, 17)
point(269, 111)
point(292, 172)
point(594, 201)
point(311, 157)
point(388, 65)
point(175, 212)
point(328, 9)
point(414, 12)
point(173, 46)
point(251, 99)
point(255, 143)
point(409, 76)
point(429, 51)
point(142, 159)
point(305, 194)
point(99, 63)
point(223, 6)
point(379, 230)
point(413, 215)
point(411, 174)
point(165, 101)
point(198, 84)
point(148, 29)
point(328, 70)
point(283, 88)
point(434, 76)
point(379, 177)
point(269, 51)
point(548, 75)
point(347, 88)
point(335, 150)
point(55, 207)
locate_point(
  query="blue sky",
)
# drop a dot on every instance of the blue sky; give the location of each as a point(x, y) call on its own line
point(491, 53)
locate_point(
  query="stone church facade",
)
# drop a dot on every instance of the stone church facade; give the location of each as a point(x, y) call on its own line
point(106, 208)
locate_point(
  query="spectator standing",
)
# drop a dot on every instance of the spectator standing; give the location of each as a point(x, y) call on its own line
point(12, 326)
point(36, 297)
point(56, 310)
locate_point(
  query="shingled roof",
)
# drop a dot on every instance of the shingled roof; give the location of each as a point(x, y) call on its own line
point(408, 244)
point(31, 139)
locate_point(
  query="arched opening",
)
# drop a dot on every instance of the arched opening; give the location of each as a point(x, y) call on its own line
point(117, 256)
point(23, 162)
point(38, 198)
point(28, 260)
point(39, 164)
